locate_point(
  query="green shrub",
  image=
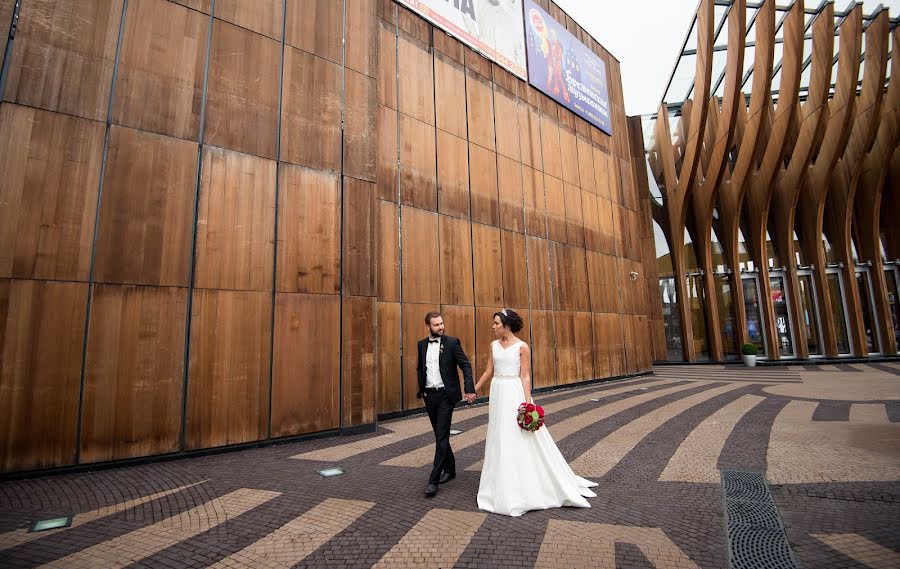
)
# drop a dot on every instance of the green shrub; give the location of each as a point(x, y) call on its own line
point(749, 349)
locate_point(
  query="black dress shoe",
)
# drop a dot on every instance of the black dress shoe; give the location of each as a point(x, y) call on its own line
point(430, 490)
point(447, 477)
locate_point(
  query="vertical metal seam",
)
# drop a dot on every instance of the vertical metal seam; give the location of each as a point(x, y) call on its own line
point(399, 204)
point(193, 270)
point(90, 288)
point(342, 190)
point(275, 233)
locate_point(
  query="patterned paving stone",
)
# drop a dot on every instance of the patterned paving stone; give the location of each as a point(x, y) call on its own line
point(825, 437)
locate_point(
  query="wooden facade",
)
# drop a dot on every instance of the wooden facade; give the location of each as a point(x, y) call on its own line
point(798, 185)
point(222, 222)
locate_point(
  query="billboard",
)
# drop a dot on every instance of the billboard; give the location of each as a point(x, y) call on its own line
point(565, 69)
point(492, 27)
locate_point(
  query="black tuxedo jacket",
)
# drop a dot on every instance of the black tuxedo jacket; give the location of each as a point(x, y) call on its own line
point(452, 357)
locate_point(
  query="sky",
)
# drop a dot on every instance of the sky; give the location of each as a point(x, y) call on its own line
point(646, 37)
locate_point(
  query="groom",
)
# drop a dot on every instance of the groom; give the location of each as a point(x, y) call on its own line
point(439, 356)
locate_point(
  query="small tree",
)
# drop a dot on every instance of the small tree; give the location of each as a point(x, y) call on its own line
point(749, 349)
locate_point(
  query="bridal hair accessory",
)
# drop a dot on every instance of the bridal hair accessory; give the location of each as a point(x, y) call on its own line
point(530, 417)
point(503, 312)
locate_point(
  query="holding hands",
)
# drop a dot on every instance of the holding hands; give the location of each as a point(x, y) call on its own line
point(470, 397)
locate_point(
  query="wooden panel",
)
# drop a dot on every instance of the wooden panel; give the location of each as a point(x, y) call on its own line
point(388, 252)
point(418, 169)
point(607, 226)
point(569, 151)
point(629, 199)
point(134, 372)
point(315, 26)
point(530, 137)
point(359, 126)
point(387, 153)
point(449, 95)
point(242, 92)
point(480, 111)
point(543, 349)
point(459, 321)
point(452, 175)
point(608, 352)
point(200, 5)
point(587, 177)
point(448, 45)
point(387, 65)
point(620, 224)
point(515, 276)
point(311, 111)
point(62, 57)
point(512, 212)
point(487, 265)
point(361, 36)
point(574, 215)
point(591, 220)
point(484, 191)
point(309, 232)
point(41, 337)
point(414, 26)
point(388, 353)
point(601, 174)
point(456, 261)
point(416, 90)
point(569, 277)
point(566, 353)
point(236, 224)
point(51, 172)
point(7, 7)
point(163, 59)
point(602, 277)
point(414, 329)
point(615, 184)
point(539, 282)
point(484, 335)
point(261, 16)
point(556, 208)
point(147, 214)
point(358, 353)
point(551, 147)
point(306, 383)
point(421, 266)
point(228, 385)
point(360, 253)
point(584, 346)
point(478, 63)
point(507, 124)
point(535, 205)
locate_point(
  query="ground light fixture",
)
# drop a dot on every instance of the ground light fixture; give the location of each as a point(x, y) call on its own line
point(52, 523)
point(330, 472)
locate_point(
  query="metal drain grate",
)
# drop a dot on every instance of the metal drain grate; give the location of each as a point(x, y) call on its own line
point(756, 538)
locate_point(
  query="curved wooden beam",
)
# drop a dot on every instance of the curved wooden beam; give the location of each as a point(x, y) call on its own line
point(732, 191)
point(815, 189)
point(810, 127)
point(869, 193)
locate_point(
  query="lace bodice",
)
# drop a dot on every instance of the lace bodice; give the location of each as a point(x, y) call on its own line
point(506, 361)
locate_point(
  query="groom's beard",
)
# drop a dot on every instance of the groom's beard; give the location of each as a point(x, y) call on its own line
point(436, 334)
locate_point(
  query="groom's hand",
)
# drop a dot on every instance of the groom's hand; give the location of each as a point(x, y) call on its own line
point(470, 397)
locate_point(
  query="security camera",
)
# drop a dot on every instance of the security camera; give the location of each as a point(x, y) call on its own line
point(634, 275)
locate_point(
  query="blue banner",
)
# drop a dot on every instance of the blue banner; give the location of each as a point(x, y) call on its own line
point(565, 69)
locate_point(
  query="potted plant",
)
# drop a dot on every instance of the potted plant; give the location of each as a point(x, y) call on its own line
point(749, 354)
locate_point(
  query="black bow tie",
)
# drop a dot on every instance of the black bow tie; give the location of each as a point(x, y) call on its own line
point(433, 340)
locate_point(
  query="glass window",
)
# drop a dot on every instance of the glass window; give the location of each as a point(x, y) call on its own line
point(893, 293)
point(754, 313)
point(697, 304)
point(810, 315)
point(783, 336)
point(663, 256)
point(671, 319)
point(836, 293)
point(726, 316)
point(868, 310)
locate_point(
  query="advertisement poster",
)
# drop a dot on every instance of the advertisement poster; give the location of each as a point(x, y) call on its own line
point(565, 69)
point(492, 27)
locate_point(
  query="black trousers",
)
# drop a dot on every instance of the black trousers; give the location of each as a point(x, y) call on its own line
point(440, 411)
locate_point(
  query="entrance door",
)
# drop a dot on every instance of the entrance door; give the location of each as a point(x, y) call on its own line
point(867, 306)
point(838, 308)
point(809, 312)
point(726, 315)
point(671, 319)
point(755, 328)
point(784, 333)
point(697, 306)
point(892, 276)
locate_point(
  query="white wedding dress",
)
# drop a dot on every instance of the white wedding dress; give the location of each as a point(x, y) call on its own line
point(522, 470)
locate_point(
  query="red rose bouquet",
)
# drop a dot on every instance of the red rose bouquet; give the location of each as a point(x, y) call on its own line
point(530, 416)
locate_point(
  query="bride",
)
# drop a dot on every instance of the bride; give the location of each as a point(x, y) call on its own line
point(522, 470)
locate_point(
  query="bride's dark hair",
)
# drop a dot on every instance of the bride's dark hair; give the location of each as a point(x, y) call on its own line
point(510, 319)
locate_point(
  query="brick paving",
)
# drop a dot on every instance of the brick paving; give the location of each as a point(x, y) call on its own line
point(827, 439)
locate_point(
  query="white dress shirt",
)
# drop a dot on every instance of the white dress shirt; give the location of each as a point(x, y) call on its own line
point(432, 366)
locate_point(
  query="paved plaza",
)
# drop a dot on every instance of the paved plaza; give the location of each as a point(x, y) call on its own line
point(826, 438)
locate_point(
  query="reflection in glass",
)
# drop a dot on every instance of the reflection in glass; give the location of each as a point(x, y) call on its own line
point(810, 316)
point(783, 336)
point(837, 309)
point(754, 314)
point(726, 316)
point(698, 316)
point(867, 309)
point(671, 319)
point(893, 289)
